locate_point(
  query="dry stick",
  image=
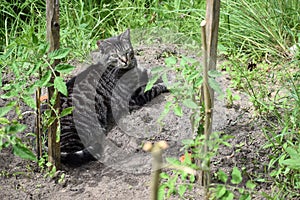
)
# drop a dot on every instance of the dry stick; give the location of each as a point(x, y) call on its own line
point(205, 174)
point(52, 9)
point(38, 122)
point(156, 151)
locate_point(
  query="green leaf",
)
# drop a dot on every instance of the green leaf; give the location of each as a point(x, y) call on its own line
point(292, 163)
point(221, 190)
point(151, 82)
point(214, 73)
point(16, 128)
point(173, 161)
point(60, 85)
point(5, 110)
point(0, 77)
point(44, 48)
point(170, 61)
point(158, 69)
point(59, 54)
point(178, 110)
point(10, 94)
point(164, 175)
point(165, 111)
point(4, 120)
point(215, 86)
point(22, 151)
point(190, 104)
point(250, 185)
point(190, 60)
point(46, 78)
point(161, 191)
point(292, 152)
point(165, 79)
point(188, 142)
point(64, 68)
point(192, 178)
point(222, 176)
point(229, 195)
point(182, 190)
point(29, 101)
point(245, 197)
point(66, 111)
point(236, 176)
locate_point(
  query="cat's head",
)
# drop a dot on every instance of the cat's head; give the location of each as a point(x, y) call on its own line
point(117, 51)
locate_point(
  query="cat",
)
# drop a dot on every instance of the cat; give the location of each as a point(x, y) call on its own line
point(101, 95)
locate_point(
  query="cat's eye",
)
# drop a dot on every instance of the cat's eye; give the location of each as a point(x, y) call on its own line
point(130, 54)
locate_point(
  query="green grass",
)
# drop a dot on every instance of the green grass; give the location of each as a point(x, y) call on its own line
point(256, 31)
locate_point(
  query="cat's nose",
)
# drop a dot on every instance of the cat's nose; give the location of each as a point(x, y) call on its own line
point(124, 59)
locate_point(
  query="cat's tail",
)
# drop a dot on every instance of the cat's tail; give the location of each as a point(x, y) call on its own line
point(140, 97)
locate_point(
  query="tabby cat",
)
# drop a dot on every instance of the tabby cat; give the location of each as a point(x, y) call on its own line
point(101, 95)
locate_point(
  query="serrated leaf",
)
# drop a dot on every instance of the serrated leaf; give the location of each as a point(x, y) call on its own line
point(45, 78)
point(222, 176)
point(236, 176)
point(15, 128)
point(173, 161)
point(60, 85)
point(182, 190)
point(215, 86)
point(10, 94)
point(250, 185)
point(64, 68)
point(165, 111)
point(178, 110)
point(5, 110)
point(190, 104)
point(151, 82)
point(161, 191)
point(229, 196)
point(29, 101)
point(221, 190)
point(190, 60)
point(59, 54)
point(164, 175)
point(23, 152)
point(187, 142)
point(66, 111)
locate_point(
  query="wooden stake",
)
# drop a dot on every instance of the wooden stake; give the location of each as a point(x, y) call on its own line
point(209, 29)
point(53, 26)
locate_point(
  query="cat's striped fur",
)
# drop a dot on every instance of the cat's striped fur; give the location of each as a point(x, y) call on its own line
point(101, 95)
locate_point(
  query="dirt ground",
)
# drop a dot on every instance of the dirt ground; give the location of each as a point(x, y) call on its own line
point(131, 179)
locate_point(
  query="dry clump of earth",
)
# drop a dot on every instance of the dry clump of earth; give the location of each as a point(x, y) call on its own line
point(129, 179)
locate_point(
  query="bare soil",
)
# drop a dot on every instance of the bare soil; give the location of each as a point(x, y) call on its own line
point(19, 179)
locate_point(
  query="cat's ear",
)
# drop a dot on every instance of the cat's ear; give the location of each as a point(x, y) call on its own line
point(99, 43)
point(126, 35)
